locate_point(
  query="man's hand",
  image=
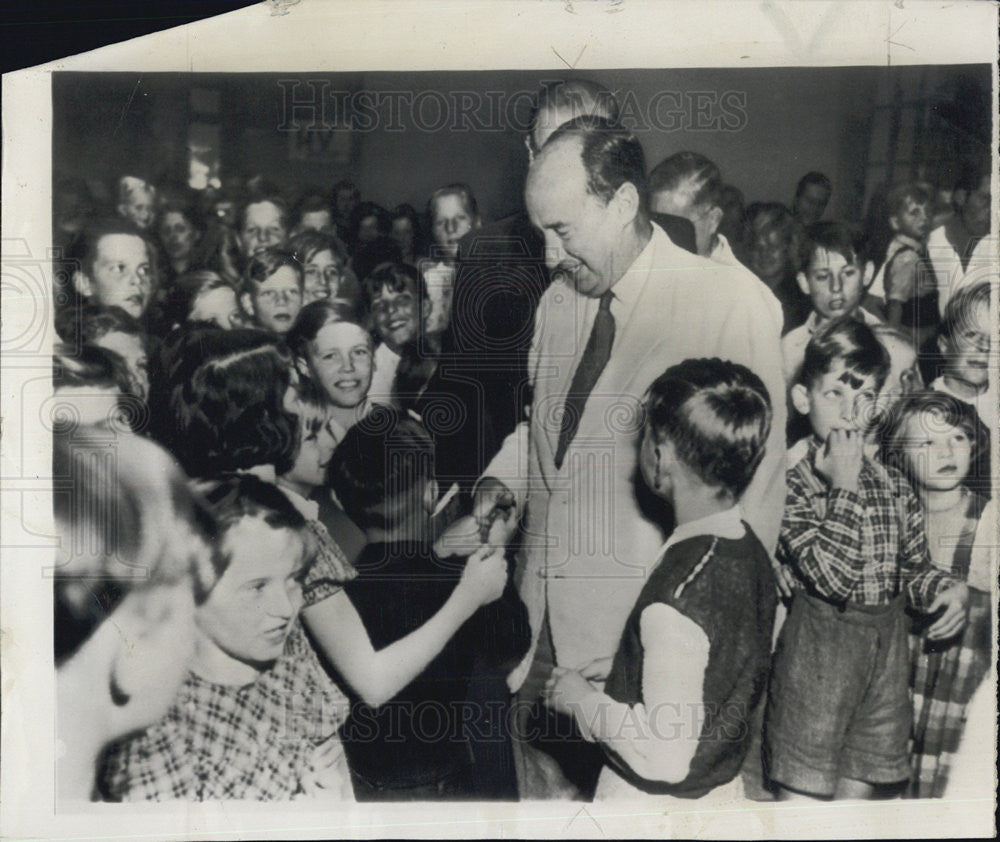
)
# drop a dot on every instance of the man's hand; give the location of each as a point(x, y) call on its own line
point(784, 579)
point(839, 460)
point(494, 508)
point(597, 670)
point(565, 689)
point(955, 602)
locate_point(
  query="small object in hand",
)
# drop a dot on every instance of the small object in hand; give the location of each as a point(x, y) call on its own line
point(504, 506)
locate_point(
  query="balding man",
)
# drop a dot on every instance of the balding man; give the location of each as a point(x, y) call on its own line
point(501, 272)
point(625, 303)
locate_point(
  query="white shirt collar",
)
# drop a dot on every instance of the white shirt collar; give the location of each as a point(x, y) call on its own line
point(309, 509)
point(724, 524)
point(629, 286)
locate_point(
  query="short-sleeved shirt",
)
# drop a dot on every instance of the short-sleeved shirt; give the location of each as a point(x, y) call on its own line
point(220, 741)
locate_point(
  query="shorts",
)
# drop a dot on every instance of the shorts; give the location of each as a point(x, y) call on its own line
point(838, 704)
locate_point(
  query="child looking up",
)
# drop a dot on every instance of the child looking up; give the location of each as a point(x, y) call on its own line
point(838, 715)
point(934, 440)
point(698, 642)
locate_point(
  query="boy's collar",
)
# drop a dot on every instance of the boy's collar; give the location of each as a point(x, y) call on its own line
point(725, 524)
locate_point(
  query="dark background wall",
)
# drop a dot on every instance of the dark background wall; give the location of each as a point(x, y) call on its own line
point(763, 127)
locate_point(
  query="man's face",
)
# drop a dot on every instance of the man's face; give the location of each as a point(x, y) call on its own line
point(681, 202)
point(832, 283)
point(276, 302)
point(967, 353)
point(323, 274)
point(975, 211)
point(914, 220)
point(130, 348)
point(811, 203)
point(263, 227)
point(839, 400)
point(250, 611)
point(368, 229)
point(218, 306)
point(341, 360)
point(121, 275)
point(397, 316)
point(582, 234)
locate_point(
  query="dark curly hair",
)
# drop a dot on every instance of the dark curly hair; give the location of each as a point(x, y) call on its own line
point(219, 404)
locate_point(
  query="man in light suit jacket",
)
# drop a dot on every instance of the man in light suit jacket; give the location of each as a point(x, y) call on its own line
point(589, 539)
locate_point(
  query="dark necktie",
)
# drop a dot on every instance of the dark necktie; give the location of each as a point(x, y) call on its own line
point(595, 357)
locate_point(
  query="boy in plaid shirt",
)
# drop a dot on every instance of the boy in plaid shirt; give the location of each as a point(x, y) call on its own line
point(853, 540)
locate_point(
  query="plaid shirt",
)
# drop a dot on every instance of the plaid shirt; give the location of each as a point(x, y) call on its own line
point(225, 742)
point(861, 547)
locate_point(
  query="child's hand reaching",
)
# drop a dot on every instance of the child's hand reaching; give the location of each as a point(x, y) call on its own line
point(485, 575)
point(839, 460)
point(955, 602)
point(565, 689)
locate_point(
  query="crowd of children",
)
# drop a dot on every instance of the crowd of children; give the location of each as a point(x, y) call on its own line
point(299, 432)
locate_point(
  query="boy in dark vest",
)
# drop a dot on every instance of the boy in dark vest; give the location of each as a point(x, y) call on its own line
point(692, 663)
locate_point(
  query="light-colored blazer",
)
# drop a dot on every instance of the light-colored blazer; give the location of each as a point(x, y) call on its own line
point(588, 539)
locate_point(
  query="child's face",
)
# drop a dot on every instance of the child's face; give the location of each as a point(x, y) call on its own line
point(451, 222)
point(914, 220)
point(130, 348)
point(218, 306)
point(967, 352)
point(832, 283)
point(769, 255)
point(938, 455)
point(397, 315)
point(121, 275)
point(263, 227)
point(319, 220)
point(177, 235)
point(368, 229)
point(402, 234)
point(315, 450)
point(322, 276)
point(839, 400)
point(250, 611)
point(276, 302)
point(975, 211)
point(811, 203)
point(345, 203)
point(341, 360)
point(139, 208)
